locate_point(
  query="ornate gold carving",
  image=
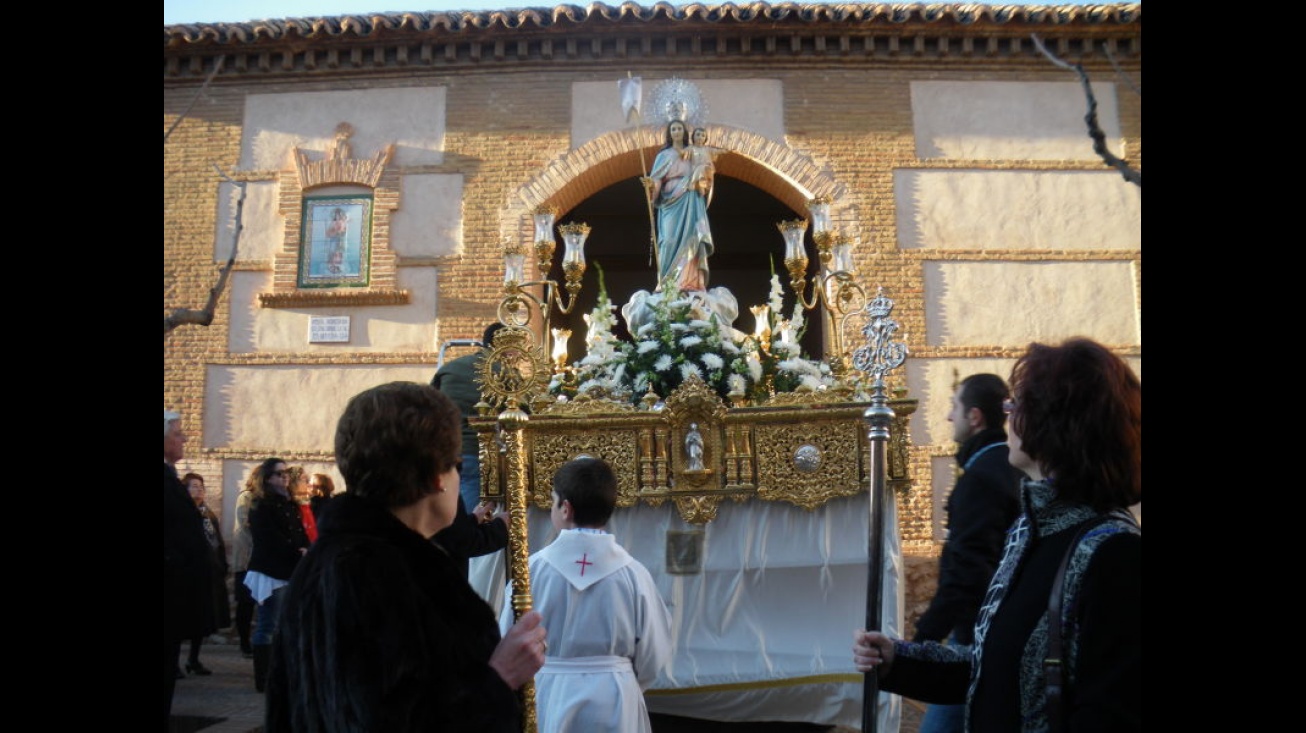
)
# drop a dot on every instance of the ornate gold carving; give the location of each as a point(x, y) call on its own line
point(765, 452)
point(518, 544)
point(550, 450)
point(837, 475)
point(514, 371)
point(698, 509)
point(339, 167)
point(320, 298)
point(804, 397)
point(587, 407)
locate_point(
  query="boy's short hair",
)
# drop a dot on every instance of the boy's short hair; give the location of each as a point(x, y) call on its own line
point(591, 487)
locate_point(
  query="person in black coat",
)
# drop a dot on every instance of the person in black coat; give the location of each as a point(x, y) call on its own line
point(279, 541)
point(473, 534)
point(187, 567)
point(982, 505)
point(379, 629)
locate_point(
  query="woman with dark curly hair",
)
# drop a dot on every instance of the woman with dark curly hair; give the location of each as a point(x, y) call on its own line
point(1075, 428)
point(380, 630)
point(279, 542)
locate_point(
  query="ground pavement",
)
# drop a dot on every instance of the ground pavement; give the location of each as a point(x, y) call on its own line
point(225, 702)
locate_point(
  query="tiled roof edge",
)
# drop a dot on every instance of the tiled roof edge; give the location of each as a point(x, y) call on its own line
point(537, 18)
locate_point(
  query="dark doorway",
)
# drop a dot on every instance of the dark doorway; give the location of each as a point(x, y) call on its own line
point(747, 245)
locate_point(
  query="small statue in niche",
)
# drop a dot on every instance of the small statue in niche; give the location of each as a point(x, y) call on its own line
point(340, 150)
point(694, 448)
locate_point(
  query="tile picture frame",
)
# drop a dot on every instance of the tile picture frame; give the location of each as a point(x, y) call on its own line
point(335, 242)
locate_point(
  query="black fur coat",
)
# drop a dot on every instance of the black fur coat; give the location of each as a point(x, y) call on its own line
point(380, 631)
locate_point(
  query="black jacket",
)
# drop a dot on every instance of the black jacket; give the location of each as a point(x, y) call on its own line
point(380, 631)
point(187, 566)
point(466, 538)
point(278, 531)
point(982, 506)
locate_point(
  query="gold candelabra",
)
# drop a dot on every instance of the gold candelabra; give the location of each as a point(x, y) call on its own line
point(513, 309)
point(834, 287)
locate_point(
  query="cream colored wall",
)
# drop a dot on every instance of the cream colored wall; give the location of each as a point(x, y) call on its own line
point(1013, 303)
point(292, 407)
point(1000, 120)
point(756, 105)
point(383, 328)
point(995, 300)
point(429, 221)
point(972, 209)
point(411, 117)
point(263, 228)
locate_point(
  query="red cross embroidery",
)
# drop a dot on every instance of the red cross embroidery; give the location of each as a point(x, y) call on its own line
point(582, 562)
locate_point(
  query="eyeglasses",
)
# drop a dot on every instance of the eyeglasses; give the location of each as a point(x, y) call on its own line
point(1008, 407)
point(278, 473)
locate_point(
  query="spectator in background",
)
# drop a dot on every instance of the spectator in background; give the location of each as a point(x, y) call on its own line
point(320, 489)
point(457, 380)
point(221, 613)
point(242, 541)
point(480, 532)
point(187, 567)
point(302, 493)
point(279, 543)
point(982, 505)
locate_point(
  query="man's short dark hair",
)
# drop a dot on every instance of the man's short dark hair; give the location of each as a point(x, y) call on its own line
point(487, 336)
point(394, 440)
point(591, 487)
point(985, 392)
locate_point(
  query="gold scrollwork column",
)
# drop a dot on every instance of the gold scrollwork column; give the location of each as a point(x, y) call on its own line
point(512, 374)
point(512, 421)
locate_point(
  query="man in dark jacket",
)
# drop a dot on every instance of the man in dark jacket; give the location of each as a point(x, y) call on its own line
point(457, 380)
point(983, 504)
point(187, 583)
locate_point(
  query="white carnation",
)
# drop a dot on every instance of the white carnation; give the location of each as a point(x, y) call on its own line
point(689, 368)
point(663, 363)
point(712, 361)
point(646, 346)
point(690, 341)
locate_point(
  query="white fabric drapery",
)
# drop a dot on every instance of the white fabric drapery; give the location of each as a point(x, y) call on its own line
point(764, 632)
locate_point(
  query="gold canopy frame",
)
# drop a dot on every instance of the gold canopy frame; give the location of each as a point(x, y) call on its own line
point(806, 450)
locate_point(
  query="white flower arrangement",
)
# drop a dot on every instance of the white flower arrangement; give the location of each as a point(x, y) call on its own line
point(679, 343)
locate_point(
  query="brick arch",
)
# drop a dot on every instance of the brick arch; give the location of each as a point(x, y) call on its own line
point(790, 176)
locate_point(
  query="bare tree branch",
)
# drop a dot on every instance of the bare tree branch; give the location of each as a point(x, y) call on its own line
point(205, 317)
point(217, 66)
point(1094, 131)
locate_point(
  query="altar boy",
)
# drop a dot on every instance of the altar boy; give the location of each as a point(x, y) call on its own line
point(609, 633)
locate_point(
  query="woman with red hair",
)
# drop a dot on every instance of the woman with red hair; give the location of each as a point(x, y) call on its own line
point(1075, 429)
